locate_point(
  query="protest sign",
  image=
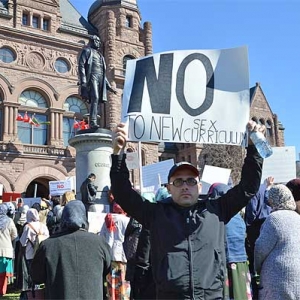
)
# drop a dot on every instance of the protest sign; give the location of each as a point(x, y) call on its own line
point(199, 96)
point(58, 188)
point(132, 160)
point(156, 174)
point(212, 175)
point(281, 165)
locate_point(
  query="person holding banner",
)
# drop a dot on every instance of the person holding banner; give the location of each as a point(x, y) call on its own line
point(187, 234)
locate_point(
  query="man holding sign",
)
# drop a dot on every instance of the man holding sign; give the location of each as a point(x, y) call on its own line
point(187, 235)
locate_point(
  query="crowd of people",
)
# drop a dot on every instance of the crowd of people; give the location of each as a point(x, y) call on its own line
point(239, 242)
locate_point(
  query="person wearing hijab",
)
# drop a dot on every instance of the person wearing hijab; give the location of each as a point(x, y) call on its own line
point(8, 233)
point(238, 283)
point(32, 228)
point(276, 254)
point(73, 262)
point(113, 230)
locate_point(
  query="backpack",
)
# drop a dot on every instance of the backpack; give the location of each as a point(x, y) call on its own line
point(38, 239)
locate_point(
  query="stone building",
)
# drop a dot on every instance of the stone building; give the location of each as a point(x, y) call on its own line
point(40, 41)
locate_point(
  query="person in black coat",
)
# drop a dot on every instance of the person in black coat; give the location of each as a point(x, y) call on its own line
point(187, 235)
point(74, 262)
point(88, 192)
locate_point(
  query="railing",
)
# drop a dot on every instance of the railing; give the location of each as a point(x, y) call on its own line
point(35, 149)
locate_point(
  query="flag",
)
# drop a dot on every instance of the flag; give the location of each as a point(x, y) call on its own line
point(82, 125)
point(26, 118)
point(33, 121)
point(76, 124)
point(19, 117)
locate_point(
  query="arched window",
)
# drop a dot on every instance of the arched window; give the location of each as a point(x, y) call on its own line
point(7, 55)
point(35, 130)
point(79, 109)
point(269, 128)
point(33, 99)
point(125, 58)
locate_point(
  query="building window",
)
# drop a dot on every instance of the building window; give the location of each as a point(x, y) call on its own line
point(29, 133)
point(25, 19)
point(128, 22)
point(36, 131)
point(35, 22)
point(125, 59)
point(61, 66)
point(7, 55)
point(77, 106)
point(269, 132)
point(68, 130)
point(46, 24)
point(33, 99)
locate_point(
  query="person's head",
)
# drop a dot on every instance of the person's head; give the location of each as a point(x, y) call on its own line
point(217, 190)
point(95, 42)
point(55, 200)
point(294, 186)
point(281, 198)
point(37, 206)
point(67, 197)
point(44, 204)
point(32, 215)
point(162, 194)
point(183, 184)
point(74, 217)
point(11, 209)
point(92, 177)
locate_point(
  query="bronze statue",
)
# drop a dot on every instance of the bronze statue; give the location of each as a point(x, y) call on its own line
point(92, 78)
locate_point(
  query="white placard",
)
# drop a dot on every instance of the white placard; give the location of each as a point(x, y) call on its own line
point(1, 189)
point(197, 96)
point(281, 165)
point(156, 174)
point(58, 188)
point(212, 175)
point(96, 221)
point(132, 160)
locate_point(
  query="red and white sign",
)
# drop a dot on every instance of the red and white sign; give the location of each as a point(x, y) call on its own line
point(58, 188)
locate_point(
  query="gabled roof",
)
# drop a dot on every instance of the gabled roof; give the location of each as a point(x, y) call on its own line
point(253, 91)
point(73, 21)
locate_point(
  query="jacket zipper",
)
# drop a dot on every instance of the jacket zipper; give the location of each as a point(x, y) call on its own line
point(190, 253)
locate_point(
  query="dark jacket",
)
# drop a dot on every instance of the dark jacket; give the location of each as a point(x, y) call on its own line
point(74, 262)
point(257, 209)
point(88, 192)
point(187, 244)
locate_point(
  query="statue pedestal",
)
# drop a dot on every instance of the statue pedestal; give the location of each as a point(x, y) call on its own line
point(93, 151)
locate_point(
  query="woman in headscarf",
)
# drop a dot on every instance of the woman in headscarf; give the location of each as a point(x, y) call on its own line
point(238, 275)
point(276, 254)
point(32, 228)
point(73, 262)
point(8, 233)
point(18, 252)
point(113, 231)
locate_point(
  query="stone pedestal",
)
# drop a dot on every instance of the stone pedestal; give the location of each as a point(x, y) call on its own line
point(93, 151)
